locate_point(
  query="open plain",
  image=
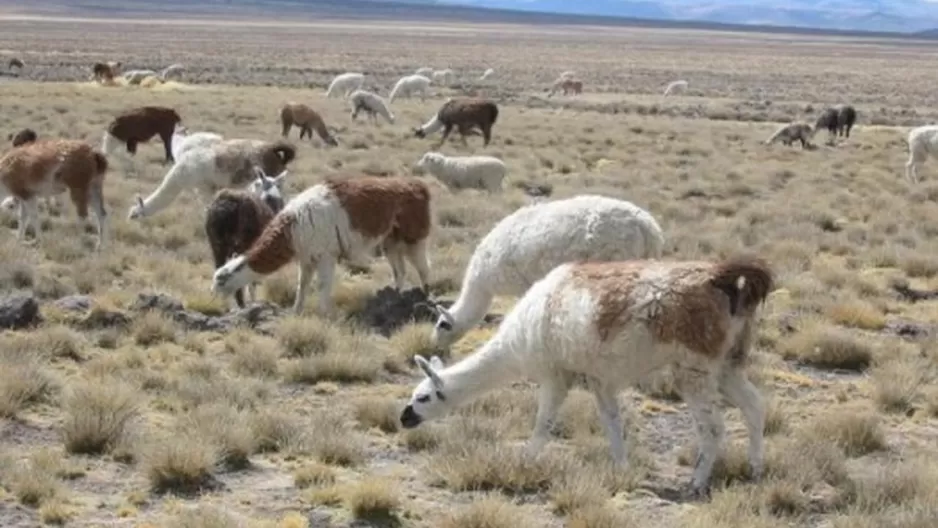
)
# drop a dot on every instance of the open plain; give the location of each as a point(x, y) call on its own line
point(113, 415)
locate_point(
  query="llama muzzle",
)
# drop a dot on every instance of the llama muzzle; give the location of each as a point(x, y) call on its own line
point(409, 418)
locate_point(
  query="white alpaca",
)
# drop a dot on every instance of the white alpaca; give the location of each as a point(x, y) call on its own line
point(923, 142)
point(184, 140)
point(528, 243)
point(608, 326)
point(444, 77)
point(339, 220)
point(134, 77)
point(409, 85)
point(673, 87)
point(569, 74)
point(345, 84)
point(209, 168)
point(486, 74)
point(370, 103)
point(465, 172)
point(426, 71)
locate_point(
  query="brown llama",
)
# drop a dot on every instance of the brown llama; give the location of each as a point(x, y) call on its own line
point(464, 113)
point(307, 119)
point(139, 125)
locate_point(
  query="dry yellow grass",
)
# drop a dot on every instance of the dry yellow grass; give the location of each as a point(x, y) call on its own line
point(149, 424)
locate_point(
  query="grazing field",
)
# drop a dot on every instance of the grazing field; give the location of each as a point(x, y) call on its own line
point(117, 415)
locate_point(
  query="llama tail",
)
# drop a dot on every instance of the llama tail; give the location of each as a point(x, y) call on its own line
point(746, 280)
point(109, 143)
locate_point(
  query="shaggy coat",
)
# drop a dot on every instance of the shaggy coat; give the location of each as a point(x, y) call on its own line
point(838, 120)
point(792, 132)
point(923, 143)
point(236, 218)
point(230, 163)
point(139, 125)
point(307, 119)
point(370, 103)
point(463, 113)
point(339, 221)
point(465, 172)
point(608, 326)
point(528, 243)
point(409, 85)
point(50, 167)
point(345, 84)
point(27, 135)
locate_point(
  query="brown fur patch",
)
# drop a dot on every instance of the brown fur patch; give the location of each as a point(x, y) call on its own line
point(53, 163)
point(139, 125)
point(396, 207)
point(274, 248)
point(685, 300)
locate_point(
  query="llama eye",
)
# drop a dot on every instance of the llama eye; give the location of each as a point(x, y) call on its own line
point(423, 399)
point(444, 325)
point(440, 396)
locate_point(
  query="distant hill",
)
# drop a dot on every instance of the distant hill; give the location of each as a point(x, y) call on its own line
point(639, 13)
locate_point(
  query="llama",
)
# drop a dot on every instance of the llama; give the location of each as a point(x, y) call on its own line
point(463, 172)
point(307, 119)
point(237, 217)
point(408, 85)
point(923, 142)
point(23, 137)
point(838, 120)
point(339, 220)
point(207, 169)
point(139, 125)
point(172, 69)
point(133, 77)
point(608, 326)
point(673, 87)
point(487, 74)
point(463, 113)
point(50, 167)
point(345, 84)
point(791, 132)
point(426, 71)
point(443, 77)
point(370, 103)
point(105, 71)
point(183, 140)
point(528, 243)
point(567, 85)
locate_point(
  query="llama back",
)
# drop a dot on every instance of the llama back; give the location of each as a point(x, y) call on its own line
point(537, 238)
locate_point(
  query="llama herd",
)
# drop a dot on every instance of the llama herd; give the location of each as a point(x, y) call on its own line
point(599, 305)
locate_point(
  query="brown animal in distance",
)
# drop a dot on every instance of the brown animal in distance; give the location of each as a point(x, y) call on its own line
point(463, 113)
point(307, 119)
point(139, 125)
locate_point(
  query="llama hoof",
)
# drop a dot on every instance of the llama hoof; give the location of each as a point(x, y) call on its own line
point(698, 492)
point(756, 472)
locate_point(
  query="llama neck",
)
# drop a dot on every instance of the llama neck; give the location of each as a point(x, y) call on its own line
point(470, 307)
point(274, 248)
point(487, 369)
point(432, 125)
point(172, 185)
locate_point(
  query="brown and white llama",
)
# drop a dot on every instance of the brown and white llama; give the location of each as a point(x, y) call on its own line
point(307, 120)
point(609, 325)
point(139, 125)
point(49, 167)
point(339, 221)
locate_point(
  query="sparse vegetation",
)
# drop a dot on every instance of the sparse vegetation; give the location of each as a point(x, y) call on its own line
point(112, 415)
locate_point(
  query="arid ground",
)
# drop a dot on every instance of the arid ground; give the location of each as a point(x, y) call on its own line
point(117, 416)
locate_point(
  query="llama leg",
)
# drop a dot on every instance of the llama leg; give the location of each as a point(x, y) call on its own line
point(746, 397)
point(394, 252)
point(325, 272)
point(550, 396)
point(31, 216)
point(96, 199)
point(446, 131)
point(302, 286)
point(252, 292)
point(286, 129)
point(417, 256)
point(702, 399)
point(608, 406)
point(23, 225)
point(168, 147)
point(486, 135)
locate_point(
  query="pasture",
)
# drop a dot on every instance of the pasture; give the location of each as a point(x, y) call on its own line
point(117, 416)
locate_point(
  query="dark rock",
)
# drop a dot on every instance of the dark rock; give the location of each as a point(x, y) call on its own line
point(389, 310)
point(74, 303)
point(19, 311)
point(911, 329)
point(913, 295)
point(252, 316)
point(98, 319)
point(158, 301)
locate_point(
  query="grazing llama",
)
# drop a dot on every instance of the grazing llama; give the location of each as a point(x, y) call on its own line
point(335, 221)
point(236, 218)
point(463, 113)
point(307, 119)
point(792, 132)
point(370, 103)
point(139, 125)
point(345, 84)
point(527, 244)
point(53, 166)
point(923, 142)
point(838, 120)
point(611, 325)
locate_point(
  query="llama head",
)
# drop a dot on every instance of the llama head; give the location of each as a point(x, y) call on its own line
point(430, 158)
point(418, 132)
point(446, 330)
point(9, 204)
point(268, 189)
point(232, 276)
point(428, 400)
point(138, 210)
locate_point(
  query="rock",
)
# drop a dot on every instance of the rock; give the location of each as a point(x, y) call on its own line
point(19, 311)
point(158, 301)
point(252, 316)
point(73, 303)
point(389, 310)
point(99, 318)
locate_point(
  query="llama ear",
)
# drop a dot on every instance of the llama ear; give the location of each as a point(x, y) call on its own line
point(428, 369)
point(139, 201)
point(278, 180)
